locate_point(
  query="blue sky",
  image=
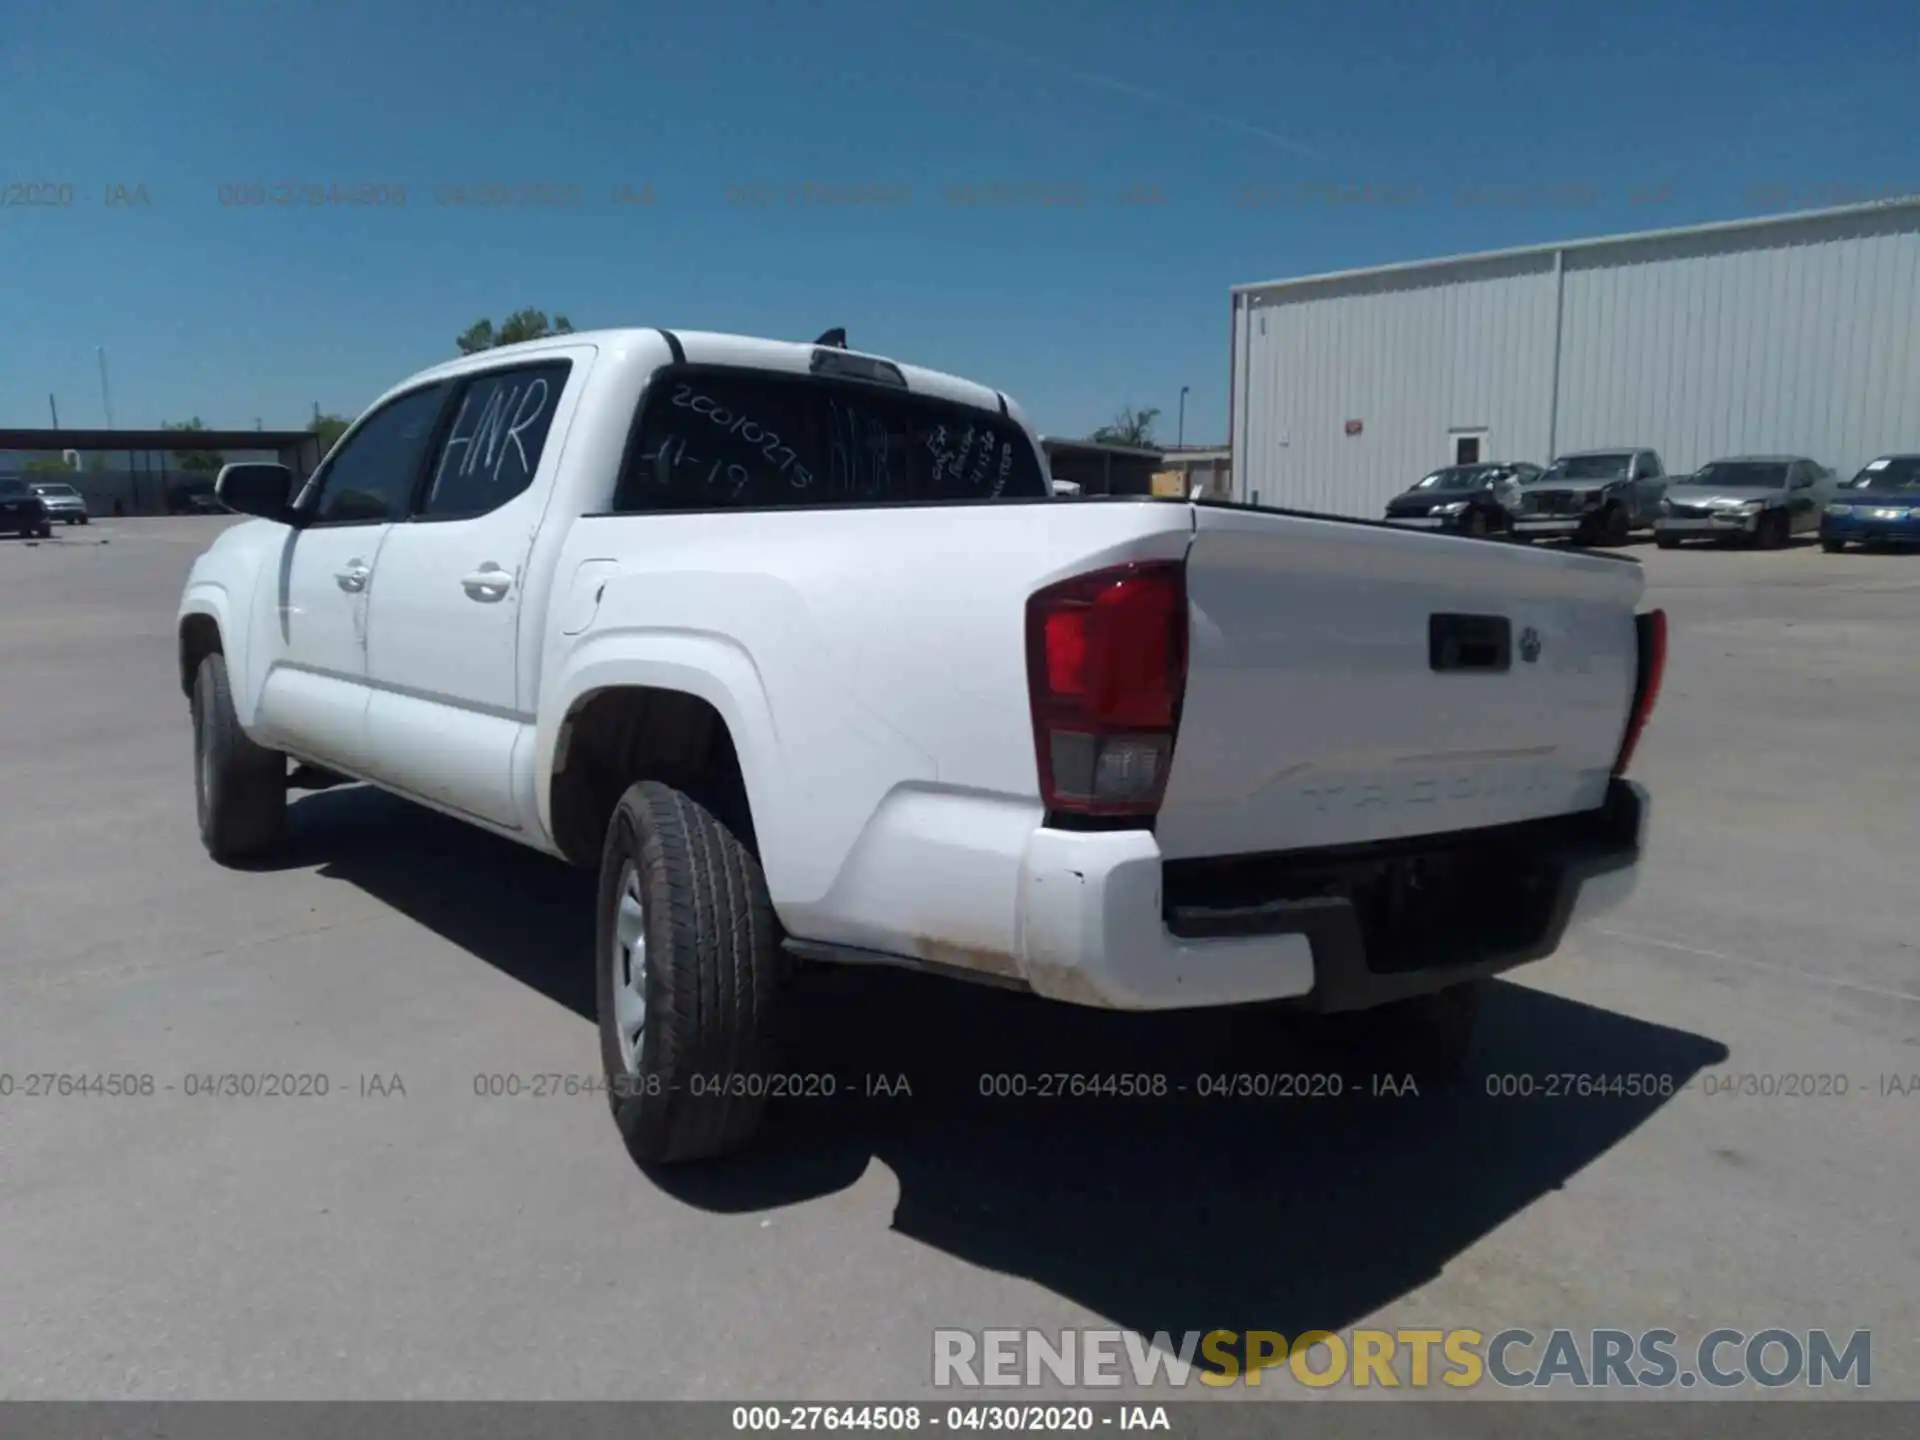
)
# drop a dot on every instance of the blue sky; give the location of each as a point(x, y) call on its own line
point(1053, 198)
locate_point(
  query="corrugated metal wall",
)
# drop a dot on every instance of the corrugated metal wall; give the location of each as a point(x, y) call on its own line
point(1805, 341)
point(1801, 336)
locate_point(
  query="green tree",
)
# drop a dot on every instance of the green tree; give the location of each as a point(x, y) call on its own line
point(521, 325)
point(207, 460)
point(329, 428)
point(1129, 427)
point(48, 465)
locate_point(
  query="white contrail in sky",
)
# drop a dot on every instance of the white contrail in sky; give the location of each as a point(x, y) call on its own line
point(1124, 87)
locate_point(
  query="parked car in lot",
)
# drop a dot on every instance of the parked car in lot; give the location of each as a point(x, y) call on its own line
point(1879, 506)
point(21, 511)
point(1463, 499)
point(1592, 497)
point(63, 502)
point(796, 647)
point(1762, 499)
point(193, 497)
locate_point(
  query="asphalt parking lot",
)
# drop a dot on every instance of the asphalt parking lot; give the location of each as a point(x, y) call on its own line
point(404, 1237)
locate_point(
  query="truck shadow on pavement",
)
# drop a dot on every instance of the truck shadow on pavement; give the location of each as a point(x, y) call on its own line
point(1179, 1213)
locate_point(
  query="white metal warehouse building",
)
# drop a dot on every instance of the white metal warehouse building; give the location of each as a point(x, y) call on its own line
point(1792, 334)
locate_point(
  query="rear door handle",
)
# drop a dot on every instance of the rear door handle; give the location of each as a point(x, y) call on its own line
point(488, 583)
point(354, 578)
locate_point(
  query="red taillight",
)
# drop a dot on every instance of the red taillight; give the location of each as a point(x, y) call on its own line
point(1107, 667)
point(1650, 630)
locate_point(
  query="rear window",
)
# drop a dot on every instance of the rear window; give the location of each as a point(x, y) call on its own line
point(713, 439)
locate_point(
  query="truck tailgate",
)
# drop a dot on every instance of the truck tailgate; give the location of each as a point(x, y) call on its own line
point(1350, 683)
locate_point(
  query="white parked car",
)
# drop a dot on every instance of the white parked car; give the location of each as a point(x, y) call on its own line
point(796, 647)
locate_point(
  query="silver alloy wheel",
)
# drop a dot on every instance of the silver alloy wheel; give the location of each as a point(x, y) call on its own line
point(628, 958)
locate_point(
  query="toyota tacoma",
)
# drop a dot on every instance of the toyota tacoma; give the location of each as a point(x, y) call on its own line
point(794, 646)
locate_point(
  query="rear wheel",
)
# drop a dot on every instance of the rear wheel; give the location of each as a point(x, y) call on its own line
point(1476, 523)
point(1667, 542)
point(688, 970)
point(240, 788)
point(1832, 547)
point(45, 532)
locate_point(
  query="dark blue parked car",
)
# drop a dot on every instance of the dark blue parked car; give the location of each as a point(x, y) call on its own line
point(22, 511)
point(1879, 506)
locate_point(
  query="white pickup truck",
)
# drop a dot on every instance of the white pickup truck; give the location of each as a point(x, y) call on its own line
point(795, 646)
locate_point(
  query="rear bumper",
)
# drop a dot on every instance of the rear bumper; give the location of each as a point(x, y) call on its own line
point(1105, 922)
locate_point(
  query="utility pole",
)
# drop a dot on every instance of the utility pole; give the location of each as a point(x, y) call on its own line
point(1180, 435)
point(54, 410)
point(106, 395)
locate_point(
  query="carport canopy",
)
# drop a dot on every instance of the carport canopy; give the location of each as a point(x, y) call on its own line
point(299, 450)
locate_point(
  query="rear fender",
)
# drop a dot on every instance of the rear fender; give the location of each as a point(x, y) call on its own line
point(707, 667)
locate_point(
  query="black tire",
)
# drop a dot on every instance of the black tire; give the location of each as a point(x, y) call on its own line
point(1832, 547)
point(84, 519)
point(45, 532)
point(1667, 542)
point(1775, 531)
point(1615, 526)
point(240, 788)
point(1475, 524)
point(1429, 1037)
point(692, 1087)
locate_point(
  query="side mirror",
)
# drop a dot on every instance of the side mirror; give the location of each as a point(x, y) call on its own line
point(261, 490)
point(1065, 489)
